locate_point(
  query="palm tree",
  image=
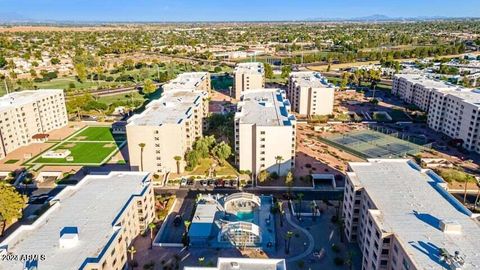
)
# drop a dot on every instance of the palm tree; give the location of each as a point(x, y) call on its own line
point(151, 227)
point(177, 159)
point(187, 225)
point(313, 206)
point(142, 146)
point(288, 238)
point(278, 160)
point(131, 250)
point(300, 198)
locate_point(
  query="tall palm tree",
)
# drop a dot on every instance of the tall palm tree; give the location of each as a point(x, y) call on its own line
point(151, 227)
point(300, 198)
point(187, 225)
point(278, 160)
point(131, 250)
point(177, 159)
point(313, 208)
point(288, 238)
point(142, 146)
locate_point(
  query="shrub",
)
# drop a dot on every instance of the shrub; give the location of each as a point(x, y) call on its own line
point(274, 175)
point(338, 261)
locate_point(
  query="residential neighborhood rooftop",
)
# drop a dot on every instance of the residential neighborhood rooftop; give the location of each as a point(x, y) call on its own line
point(411, 203)
point(264, 107)
point(89, 209)
point(172, 108)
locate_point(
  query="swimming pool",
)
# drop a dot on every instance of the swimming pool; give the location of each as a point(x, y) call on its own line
point(245, 215)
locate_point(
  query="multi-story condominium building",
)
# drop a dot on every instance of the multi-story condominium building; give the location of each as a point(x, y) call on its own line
point(88, 226)
point(265, 132)
point(166, 129)
point(248, 76)
point(244, 263)
point(403, 218)
point(457, 114)
point(28, 113)
point(310, 93)
point(190, 81)
point(452, 110)
point(417, 89)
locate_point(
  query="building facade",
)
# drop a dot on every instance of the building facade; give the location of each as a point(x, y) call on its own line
point(28, 113)
point(265, 132)
point(452, 110)
point(88, 226)
point(248, 76)
point(310, 93)
point(400, 214)
point(190, 81)
point(165, 130)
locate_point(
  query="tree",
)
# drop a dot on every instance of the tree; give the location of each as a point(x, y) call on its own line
point(278, 160)
point(268, 71)
point(288, 239)
point(187, 225)
point(151, 227)
point(3, 61)
point(286, 71)
point(149, 87)
point(55, 61)
point(142, 146)
point(262, 176)
point(81, 72)
point(177, 159)
point(131, 250)
point(300, 199)
point(192, 158)
point(222, 151)
point(289, 179)
point(11, 204)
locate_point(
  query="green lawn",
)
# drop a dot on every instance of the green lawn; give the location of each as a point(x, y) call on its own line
point(135, 96)
point(98, 134)
point(90, 146)
point(84, 153)
point(204, 165)
point(11, 161)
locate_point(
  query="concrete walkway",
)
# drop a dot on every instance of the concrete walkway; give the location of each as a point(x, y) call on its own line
point(311, 243)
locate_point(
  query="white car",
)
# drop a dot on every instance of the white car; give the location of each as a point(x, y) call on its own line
point(183, 182)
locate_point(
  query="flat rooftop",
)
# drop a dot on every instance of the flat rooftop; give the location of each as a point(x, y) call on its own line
point(172, 108)
point(250, 67)
point(203, 219)
point(412, 207)
point(16, 99)
point(188, 80)
point(91, 207)
point(310, 79)
point(244, 264)
point(264, 107)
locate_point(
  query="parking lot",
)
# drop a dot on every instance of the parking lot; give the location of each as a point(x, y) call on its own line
point(208, 183)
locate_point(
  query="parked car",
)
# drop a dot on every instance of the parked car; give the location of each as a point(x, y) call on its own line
point(211, 182)
point(177, 220)
point(190, 182)
point(234, 183)
point(183, 182)
point(203, 183)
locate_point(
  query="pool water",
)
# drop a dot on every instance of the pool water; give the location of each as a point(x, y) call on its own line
point(245, 216)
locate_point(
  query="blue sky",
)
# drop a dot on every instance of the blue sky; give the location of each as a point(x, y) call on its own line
point(228, 10)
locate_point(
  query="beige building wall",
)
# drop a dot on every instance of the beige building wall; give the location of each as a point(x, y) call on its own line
point(179, 125)
point(248, 76)
point(310, 93)
point(134, 221)
point(27, 113)
point(258, 141)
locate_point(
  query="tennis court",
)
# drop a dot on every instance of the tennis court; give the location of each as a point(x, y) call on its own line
point(372, 144)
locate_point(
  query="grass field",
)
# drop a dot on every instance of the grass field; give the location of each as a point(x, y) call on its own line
point(205, 164)
point(89, 146)
point(372, 144)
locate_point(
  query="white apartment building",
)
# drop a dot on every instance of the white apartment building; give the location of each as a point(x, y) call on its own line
point(190, 81)
point(403, 218)
point(310, 93)
point(264, 130)
point(167, 128)
point(244, 264)
point(248, 76)
point(88, 226)
point(452, 110)
point(27, 113)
